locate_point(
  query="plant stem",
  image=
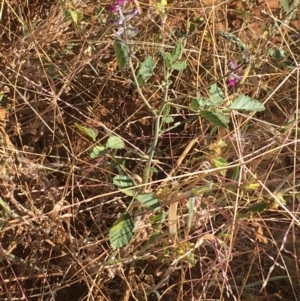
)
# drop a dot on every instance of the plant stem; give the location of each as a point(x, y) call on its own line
point(139, 89)
point(157, 128)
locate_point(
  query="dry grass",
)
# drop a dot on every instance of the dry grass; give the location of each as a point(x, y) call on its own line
point(240, 239)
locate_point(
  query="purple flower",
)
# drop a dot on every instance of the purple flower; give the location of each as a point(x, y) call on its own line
point(123, 16)
point(233, 65)
point(120, 17)
point(113, 8)
point(130, 14)
point(120, 31)
point(130, 32)
point(235, 69)
point(233, 79)
point(231, 82)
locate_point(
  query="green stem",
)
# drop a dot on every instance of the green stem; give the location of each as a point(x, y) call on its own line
point(157, 129)
point(157, 117)
point(139, 88)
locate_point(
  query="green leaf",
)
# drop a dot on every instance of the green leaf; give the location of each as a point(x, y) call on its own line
point(122, 55)
point(157, 223)
point(277, 53)
point(244, 102)
point(179, 66)
point(243, 215)
point(200, 189)
point(76, 15)
point(220, 162)
point(5, 207)
point(194, 105)
point(121, 232)
point(98, 151)
point(168, 59)
point(149, 200)
point(177, 50)
point(289, 64)
point(271, 51)
point(191, 27)
point(158, 219)
point(285, 5)
point(168, 119)
point(130, 192)
point(258, 207)
point(1, 96)
point(199, 104)
point(215, 118)
point(123, 183)
point(87, 131)
point(166, 112)
point(153, 169)
point(146, 70)
point(115, 142)
point(117, 162)
point(236, 173)
point(216, 94)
